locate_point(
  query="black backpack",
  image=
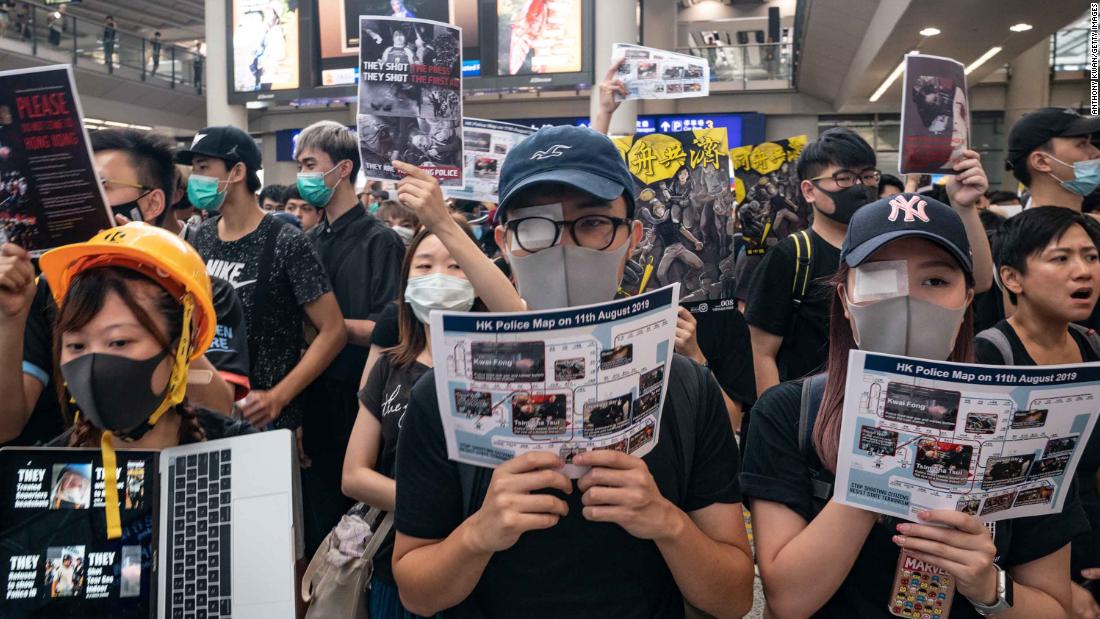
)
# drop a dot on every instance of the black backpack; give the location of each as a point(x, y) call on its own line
point(999, 340)
point(821, 480)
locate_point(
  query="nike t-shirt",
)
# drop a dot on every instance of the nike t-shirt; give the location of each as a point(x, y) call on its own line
point(273, 295)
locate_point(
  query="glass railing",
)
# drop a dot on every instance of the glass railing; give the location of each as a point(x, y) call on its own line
point(764, 66)
point(50, 30)
point(1069, 50)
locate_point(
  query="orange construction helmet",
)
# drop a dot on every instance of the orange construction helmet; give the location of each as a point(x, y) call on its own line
point(154, 252)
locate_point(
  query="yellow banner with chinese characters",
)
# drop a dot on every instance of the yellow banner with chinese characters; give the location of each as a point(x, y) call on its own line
point(683, 199)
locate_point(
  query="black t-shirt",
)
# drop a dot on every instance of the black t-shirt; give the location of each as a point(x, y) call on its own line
point(743, 269)
point(576, 568)
point(1086, 547)
point(293, 279)
point(363, 260)
point(386, 332)
point(723, 337)
point(774, 470)
point(228, 351)
point(769, 305)
point(386, 396)
point(46, 420)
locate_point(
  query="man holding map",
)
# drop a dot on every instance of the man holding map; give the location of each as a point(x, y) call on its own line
point(650, 532)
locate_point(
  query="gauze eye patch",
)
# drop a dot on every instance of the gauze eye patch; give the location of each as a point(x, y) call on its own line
point(875, 281)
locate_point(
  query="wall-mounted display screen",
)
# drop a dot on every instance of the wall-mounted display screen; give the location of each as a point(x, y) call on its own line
point(265, 45)
point(306, 51)
point(338, 22)
point(539, 37)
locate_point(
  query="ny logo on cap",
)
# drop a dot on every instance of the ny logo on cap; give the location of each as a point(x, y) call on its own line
point(556, 150)
point(913, 207)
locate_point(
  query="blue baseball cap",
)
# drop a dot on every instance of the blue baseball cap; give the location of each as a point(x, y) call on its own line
point(575, 156)
point(904, 215)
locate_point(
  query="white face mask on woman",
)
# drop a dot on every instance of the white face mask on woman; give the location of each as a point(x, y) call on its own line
point(437, 291)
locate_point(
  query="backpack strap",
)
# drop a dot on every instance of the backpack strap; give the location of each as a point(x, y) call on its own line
point(262, 295)
point(803, 267)
point(1090, 335)
point(813, 391)
point(999, 340)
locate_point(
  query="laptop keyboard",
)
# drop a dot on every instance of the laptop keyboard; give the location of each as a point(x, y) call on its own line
point(198, 536)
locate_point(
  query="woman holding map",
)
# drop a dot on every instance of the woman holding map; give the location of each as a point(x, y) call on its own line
point(443, 269)
point(904, 287)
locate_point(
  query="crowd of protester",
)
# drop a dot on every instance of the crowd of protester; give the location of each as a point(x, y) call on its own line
point(321, 293)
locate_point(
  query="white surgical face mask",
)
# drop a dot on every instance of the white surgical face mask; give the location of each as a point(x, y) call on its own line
point(405, 233)
point(438, 292)
point(887, 320)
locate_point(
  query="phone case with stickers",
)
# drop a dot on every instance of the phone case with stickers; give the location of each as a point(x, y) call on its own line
point(921, 590)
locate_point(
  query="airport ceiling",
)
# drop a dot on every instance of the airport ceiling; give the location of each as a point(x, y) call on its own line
point(851, 46)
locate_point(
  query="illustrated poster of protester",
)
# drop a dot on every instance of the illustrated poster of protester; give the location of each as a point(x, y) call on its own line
point(410, 97)
point(766, 189)
point(935, 115)
point(683, 199)
point(49, 192)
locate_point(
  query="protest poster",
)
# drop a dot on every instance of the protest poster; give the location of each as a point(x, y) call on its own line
point(410, 97)
point(564, 381)
point(995, 442)
point(935, 115)
point(487, 143)
point(53, 550)
point(650, 73)
point(682, 197)
point(49, 192)
point(766, 190)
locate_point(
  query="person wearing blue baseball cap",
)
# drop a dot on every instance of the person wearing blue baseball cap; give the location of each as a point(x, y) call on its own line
point(633, 537)
point(904, 287)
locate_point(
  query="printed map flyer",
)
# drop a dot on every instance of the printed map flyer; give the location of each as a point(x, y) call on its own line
point(650, 73)
point(487, 144)
point(565, 381)
point(995, 442)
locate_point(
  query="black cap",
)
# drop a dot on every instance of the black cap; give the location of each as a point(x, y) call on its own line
point(229, 144)
point(904, 215)
point(1037, 128)
point(575, 156)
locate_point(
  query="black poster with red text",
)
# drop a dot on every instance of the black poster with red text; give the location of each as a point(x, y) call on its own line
point(49, 192)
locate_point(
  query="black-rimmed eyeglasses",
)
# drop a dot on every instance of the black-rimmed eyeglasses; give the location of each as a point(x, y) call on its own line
point(591, 231)
point(848, 178)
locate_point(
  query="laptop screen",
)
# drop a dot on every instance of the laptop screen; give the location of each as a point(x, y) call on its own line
point(55, 558)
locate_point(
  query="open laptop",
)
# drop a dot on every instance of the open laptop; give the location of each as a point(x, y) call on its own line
point(239, 497)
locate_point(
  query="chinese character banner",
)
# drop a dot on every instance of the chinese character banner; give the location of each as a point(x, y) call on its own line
point(683, 199)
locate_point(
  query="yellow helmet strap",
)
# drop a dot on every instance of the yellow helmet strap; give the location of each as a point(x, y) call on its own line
point(177, 387)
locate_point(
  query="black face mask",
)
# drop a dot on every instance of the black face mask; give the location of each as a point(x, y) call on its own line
point(130, 210)
point(113, 392)
point(847, 201)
